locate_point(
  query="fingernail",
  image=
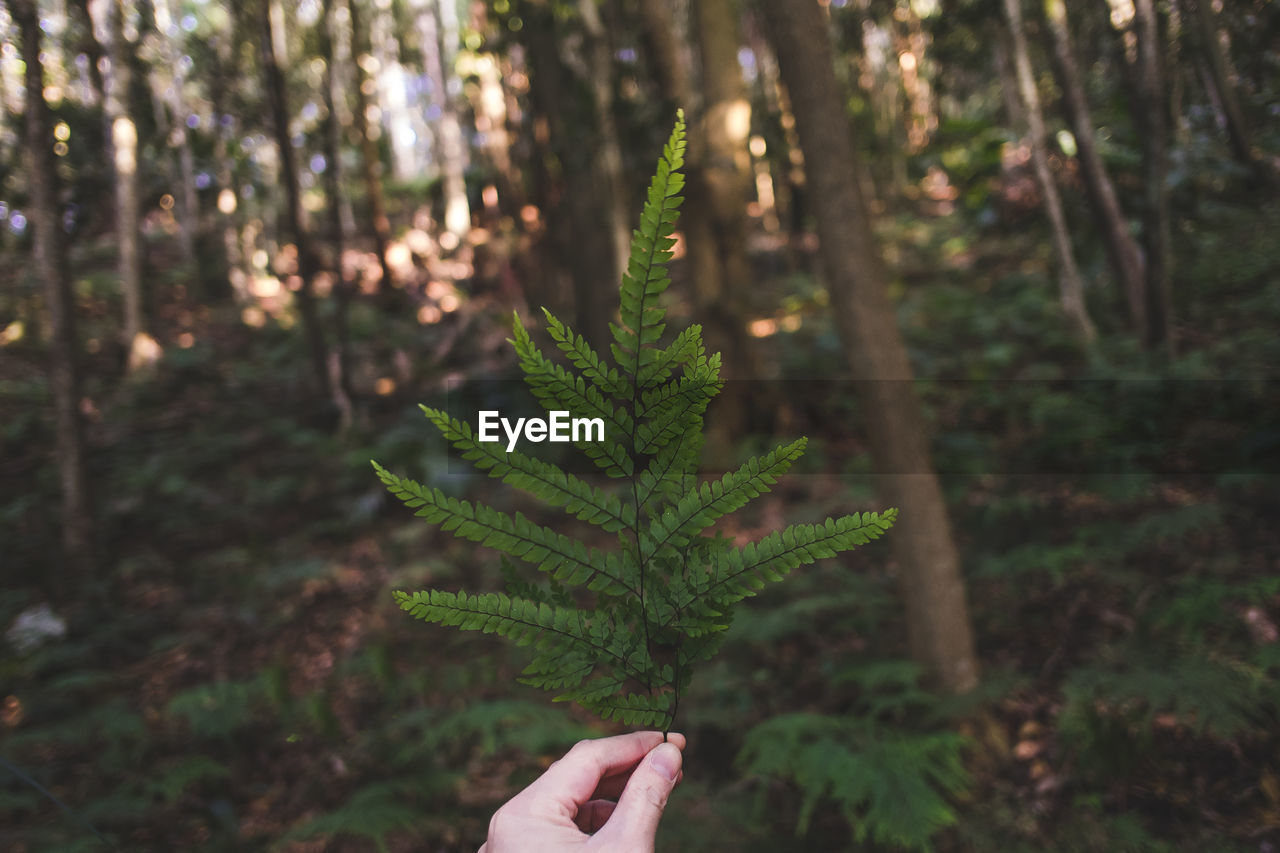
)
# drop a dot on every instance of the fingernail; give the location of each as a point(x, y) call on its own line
point(666, 759)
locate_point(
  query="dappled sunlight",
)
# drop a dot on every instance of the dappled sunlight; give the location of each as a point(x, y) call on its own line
point(765, 327)
point(231, 670)
point(144, 352)
point(12, 333)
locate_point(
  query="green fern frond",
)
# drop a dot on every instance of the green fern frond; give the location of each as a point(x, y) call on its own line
point(700, 509)
point(583, 357)
point(554, 630)
point(892, 786)
point(685, 349)
point(539, 478)
point(633, 709)
point(564, 559)
point(662, 600)
point(745, 571)
point(556, 388)
point(646, 276)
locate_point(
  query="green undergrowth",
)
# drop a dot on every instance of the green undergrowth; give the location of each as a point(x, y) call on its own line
point(236, 678)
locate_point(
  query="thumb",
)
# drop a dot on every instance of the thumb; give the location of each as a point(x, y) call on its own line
point(635, 820)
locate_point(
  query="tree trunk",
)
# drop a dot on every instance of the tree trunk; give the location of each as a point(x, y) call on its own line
point(720, 178)
point(1150, 115)
point(665, 57)
point(339, 373)
point(379, 223)
point(439, 24)
point(929, 564)
point(123, 135)
point(1069, 278)
point(1122, 249)
point(295, 215)
point(179, 139)
point(576, 214)
point(51, 266)
point(607, 162)
point(92, 50)
point(393, 100)
point(239, 270)
point(1237, 128)
point(715, 221)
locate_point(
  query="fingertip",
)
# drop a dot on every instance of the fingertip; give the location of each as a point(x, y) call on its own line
point(666, 759)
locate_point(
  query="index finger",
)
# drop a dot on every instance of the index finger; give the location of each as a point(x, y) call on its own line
point(575, 777)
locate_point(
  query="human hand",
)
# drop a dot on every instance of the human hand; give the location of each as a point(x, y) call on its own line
point(572, 805)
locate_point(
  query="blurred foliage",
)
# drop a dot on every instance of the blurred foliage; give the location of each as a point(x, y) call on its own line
point(236, 678)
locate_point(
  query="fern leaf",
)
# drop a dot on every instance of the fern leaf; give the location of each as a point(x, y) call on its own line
point(744, 571)
point(663, 600)
point(633, 709)
point(720, 497)
point(538, 478)
point(671, 413)
point(687, 348)
point(556, 388)
point(583, 357)
point(554, 630)
point(646, 276)
point(554, 553)
point(672, 467)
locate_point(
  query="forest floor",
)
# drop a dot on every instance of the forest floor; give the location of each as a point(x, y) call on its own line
point(237, 676)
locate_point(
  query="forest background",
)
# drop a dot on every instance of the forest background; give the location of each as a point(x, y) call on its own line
point(1011, 266)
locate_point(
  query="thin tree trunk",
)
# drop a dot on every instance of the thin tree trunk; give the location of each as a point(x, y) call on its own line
point(929, 563)
point(1122, 249)
point(578, 221)
point(439, 23)
point(1069, 278)
point(295, 215)
point(92, 50)
point(239, 270)
point(179, 139)
point(1237, 128)
point(720, 173)
point(379, 223)
point(607, 163)
point(384, 44)
point(339, 373)
point(664, 53)
point(719, 168)
point(1150, 114)
point(51, 266)
point(123, 135)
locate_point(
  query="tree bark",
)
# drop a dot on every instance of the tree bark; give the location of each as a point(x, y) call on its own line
point(123, 135)
point(339, 373)
point(1070, 281)
point(665, 57)
point(715, 221)
point(51, 266)
point(379, 223)
point(239, 271)
point(439, 24)
point(1150, 115)
point(295, 215)
point(1237, 128)
point(607, 162)
point(1122, 248)
point(92, 50)
point(928, 561)
point(392, 94)
point(720, 180)
point(179, 139)
point(577, 214)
